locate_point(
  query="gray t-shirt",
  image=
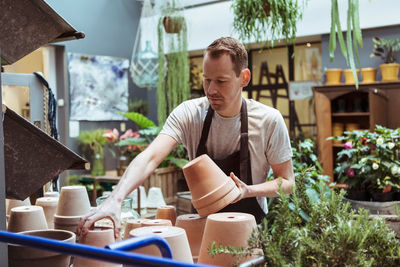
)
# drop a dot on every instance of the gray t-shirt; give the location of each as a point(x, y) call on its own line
point(269, 141)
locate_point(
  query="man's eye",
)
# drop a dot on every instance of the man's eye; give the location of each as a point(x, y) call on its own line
point(220, 81)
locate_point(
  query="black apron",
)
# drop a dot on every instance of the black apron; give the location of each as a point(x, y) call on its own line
point(238, 163)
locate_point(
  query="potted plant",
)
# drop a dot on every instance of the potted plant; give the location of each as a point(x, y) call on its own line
point(369, 164)
point(385, 49)
point(173, 60)
point(93, 141)
point(272, 20)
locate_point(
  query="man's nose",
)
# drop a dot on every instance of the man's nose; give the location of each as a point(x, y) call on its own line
point(212, 89)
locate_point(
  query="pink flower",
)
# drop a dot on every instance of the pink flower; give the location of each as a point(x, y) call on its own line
point(111, 135)
point(350, 172)
point(387, 188)
point(373, 147)
point(129, 134)
point(348, 145)
point(364, 140)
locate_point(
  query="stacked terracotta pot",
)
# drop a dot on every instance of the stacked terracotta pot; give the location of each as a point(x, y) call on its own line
point(211, 189)
point(49, 205)
point(72, 205)
point(26, 218)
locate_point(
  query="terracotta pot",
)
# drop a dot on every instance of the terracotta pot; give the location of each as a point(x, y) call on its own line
point(175, 237)
point(390, 72)
point(337, 130)
point(368, 75)
point(348, 76)
point(26, 218)
point(333, 76)
point(167, 212)
point(132, 224)
point(173, 24)
point(51, 194)
point(226, 229)
point(97, 237)
point(156, 222)
point(352, 126)
point(20, 256)
point(73, 201)
point(68, 223)
point(49, 205)
point(12, 203)
point(194, 227)
point(211, 189)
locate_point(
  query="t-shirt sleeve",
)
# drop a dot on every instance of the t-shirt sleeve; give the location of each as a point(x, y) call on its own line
point(175, 123)
point(278, 149)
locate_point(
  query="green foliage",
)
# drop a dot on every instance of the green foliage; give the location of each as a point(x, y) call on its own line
point(370, 159)
point(140, 106)
point(251, 20)
point(385, 49)
point(173, 64)
point(353, 35)
point(330, 235)
point(141, 120)
point(93, 139)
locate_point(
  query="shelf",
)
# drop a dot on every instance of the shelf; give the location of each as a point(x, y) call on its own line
point(338, 145)
point(351, 114)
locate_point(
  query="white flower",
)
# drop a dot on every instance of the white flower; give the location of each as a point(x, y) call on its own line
point(363, 160)
point(375, 166)
point(390, 145)
point(379, 141)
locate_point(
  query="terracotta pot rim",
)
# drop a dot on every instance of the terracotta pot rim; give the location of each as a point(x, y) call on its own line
point(368, 69)
point(67, 220)
point(163, 231)
point(333, 70)
point(216, 194)
point(20, 209)
point(389, 64)
point(219, 204)
point(46, 200)
point(350, 70)
point(231, 216)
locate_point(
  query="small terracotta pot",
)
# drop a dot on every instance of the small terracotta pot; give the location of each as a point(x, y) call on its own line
point(132, 224)
point(156, 222)
point(368, 75)
point(97, 237)
point(211, 189)
point(51, 194)
point(348, 76)
point(20, 256)
point(337, 130)
point(12, 203)
point(333, 76)
point(173, 24)
point(194, 227)
point(73, 201)
point(26, 218)
point(49, 205)
point(167, 212)
point(155, 198)
point(390, 72)
point(175, 237)
point(226, 229)
point(352, 126)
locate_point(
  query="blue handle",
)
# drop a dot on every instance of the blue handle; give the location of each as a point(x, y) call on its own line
point(102, 254)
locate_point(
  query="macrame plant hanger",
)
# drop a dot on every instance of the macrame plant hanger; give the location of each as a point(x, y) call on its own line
point(144, 62)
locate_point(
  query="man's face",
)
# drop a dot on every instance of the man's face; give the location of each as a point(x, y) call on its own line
point(221, 85)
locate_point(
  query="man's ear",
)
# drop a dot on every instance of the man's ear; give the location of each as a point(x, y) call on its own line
point(246, 76)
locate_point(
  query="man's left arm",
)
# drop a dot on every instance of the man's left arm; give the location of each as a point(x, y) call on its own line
point(284, 177)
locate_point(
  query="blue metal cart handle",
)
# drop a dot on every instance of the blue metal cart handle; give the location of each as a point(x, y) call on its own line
point(112, 254)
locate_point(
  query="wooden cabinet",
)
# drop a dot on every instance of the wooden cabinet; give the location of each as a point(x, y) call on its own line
point(364, 108)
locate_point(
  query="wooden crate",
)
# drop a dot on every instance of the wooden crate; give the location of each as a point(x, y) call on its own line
point(184, 203)
point(167, 179)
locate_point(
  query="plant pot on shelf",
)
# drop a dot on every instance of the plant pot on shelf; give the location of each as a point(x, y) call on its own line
point(98, 165)
point(348, 76)
point(378, 196)
point(390, 72)
point(173, 24)
point(333, 76)
point(368, 75)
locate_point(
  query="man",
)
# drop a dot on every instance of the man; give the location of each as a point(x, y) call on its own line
point(245, 138)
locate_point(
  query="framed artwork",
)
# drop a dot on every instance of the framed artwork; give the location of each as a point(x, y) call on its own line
point(98, 87)
point(196, 76)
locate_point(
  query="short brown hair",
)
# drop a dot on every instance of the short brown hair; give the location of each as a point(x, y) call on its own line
point(232, 47)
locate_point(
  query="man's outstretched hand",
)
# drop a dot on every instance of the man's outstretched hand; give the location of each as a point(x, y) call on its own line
point(243, 188)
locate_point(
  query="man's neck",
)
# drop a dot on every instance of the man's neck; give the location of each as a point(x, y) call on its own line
point(235, 110)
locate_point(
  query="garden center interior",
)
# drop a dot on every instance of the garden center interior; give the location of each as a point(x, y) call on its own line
point(86, 86)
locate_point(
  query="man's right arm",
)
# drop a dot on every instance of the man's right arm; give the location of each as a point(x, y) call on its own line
point(138, 170)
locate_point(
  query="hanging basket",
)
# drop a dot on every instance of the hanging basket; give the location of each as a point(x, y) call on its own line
point(173, 24)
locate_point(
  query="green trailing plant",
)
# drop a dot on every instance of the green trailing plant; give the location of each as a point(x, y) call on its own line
point(140, 106)
point(349, 48)
point(328, 234)
point(173, 63)
point(267, 20)
point(385, 49)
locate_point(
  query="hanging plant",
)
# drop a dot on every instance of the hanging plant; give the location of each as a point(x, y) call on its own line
point(349, 48)
point(267, 20)
point(173, 61)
